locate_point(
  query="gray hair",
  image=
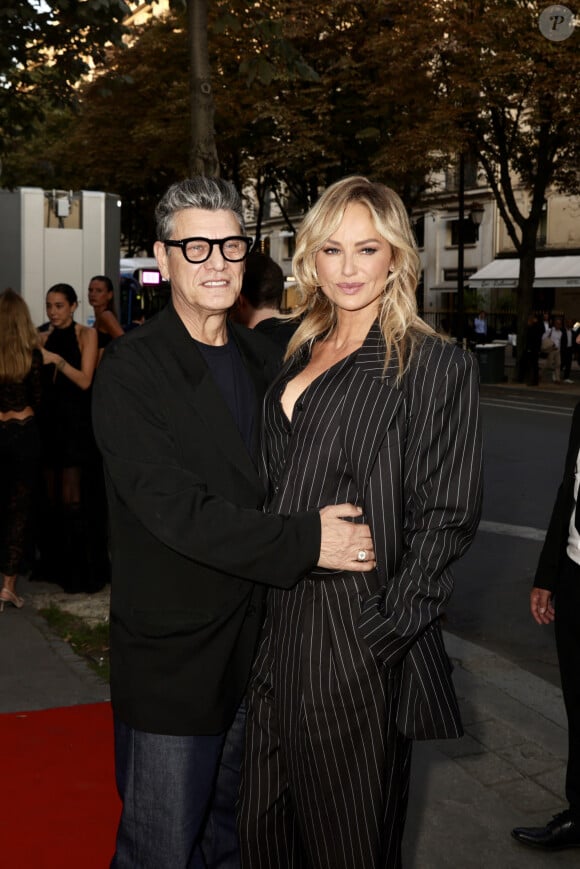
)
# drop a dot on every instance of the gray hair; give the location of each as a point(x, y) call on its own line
point(210, 194)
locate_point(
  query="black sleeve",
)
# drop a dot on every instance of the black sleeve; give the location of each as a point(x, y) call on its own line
point(176, 504)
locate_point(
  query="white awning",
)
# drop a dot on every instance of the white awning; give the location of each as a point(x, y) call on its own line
point(551, 271)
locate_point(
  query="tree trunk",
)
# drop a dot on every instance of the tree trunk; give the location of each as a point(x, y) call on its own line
point(525, 292)
point(203, 157)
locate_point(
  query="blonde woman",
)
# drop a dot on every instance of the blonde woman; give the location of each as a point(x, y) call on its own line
point(374, 408)
point(20, 390)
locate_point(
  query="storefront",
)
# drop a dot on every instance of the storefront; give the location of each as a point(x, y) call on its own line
point(556, 284)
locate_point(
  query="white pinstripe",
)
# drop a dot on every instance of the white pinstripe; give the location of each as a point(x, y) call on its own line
point(349, 664)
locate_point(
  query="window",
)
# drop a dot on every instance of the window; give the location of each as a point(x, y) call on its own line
point(470, 232)
point(288, 246)
point(469, 173)
point(419, 228)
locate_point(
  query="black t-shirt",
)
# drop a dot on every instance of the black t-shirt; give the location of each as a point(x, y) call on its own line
point(234, 383)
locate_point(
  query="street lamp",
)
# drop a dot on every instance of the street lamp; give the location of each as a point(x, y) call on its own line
point(476, 213)
point(476, 216)
point(460, 327)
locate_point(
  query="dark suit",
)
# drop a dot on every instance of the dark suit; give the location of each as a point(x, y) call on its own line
point(560, 575)
point(349, 669)
point(566, 351)
point(191, 550)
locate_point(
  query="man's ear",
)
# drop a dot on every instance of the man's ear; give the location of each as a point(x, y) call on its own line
point(160, 252)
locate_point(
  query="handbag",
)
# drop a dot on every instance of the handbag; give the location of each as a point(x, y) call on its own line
point(547, 343)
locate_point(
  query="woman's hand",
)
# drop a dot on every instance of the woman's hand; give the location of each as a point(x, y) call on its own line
point(50, 358)
point(43, 336)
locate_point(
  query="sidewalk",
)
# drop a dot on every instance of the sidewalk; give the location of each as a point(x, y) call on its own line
point(37, 669)
point(545, 385)
point(507, 771)
point(466, 794)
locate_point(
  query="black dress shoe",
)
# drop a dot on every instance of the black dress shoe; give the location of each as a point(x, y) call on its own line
point(563, 831)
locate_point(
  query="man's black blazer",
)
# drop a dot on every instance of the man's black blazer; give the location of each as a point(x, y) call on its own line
point(192, 552)
point(554, 549)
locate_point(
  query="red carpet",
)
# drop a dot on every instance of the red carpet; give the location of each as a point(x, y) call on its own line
point(58, 803)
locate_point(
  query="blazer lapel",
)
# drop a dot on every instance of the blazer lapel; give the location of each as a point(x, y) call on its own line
point(205, 399)
point(370, 406)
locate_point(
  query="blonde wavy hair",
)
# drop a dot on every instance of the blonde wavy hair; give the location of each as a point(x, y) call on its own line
point(18, 337)
point(400, 324)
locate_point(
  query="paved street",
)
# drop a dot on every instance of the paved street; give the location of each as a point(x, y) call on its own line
point(525, 438)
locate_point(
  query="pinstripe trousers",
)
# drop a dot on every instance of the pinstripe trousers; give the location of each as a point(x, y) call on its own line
point(325, 773)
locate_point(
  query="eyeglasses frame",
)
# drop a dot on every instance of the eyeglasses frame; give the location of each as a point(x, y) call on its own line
point(182, 242)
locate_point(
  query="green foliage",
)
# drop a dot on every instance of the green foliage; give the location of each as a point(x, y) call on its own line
point(307, 93)
point(88, 641)
point(45, 49)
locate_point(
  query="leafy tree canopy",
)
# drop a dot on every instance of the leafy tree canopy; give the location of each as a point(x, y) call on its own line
point(45, 49)
point(306, 93)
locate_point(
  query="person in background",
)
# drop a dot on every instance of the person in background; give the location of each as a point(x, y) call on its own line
point(20, 392)
point(532, 348)
point(567, 350)
point(71, 553)
point(260, 300)
point(480, 326)
point(555, 597)
point(176, 410)
point(558, 337)
point(371, 407)
point(101, 297)
point(546, 322)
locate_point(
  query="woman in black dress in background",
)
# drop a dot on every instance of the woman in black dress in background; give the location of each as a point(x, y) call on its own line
point(20, 389)
point(101, 299)
point(69, 554)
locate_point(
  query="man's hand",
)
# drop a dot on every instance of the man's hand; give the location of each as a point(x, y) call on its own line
point(541, 606)
point(343, 543)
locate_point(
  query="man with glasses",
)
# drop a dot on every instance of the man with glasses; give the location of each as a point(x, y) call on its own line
point(176, 416)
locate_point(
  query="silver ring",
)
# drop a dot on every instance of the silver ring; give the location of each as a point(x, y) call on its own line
point(362, 556)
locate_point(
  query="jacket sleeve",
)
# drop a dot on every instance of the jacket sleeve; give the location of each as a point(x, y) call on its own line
point(176, 504)
point(557, 534)
point(442, 494)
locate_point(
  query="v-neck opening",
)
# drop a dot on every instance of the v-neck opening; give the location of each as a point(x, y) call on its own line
point(300, 396)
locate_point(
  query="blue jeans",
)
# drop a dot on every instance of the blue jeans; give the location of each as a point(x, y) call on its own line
point(179, 796)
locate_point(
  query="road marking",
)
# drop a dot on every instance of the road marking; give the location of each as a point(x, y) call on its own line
point(523, 531)
point(543, 408)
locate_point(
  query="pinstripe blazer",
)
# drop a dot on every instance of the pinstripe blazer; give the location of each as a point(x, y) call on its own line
point(414, 449)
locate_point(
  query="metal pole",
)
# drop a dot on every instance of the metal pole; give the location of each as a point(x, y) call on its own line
point(461, 252)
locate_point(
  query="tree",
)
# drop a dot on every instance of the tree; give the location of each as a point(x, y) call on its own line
point(203, 152)
point(321, 109)
point(45, 49)
point(504, 93)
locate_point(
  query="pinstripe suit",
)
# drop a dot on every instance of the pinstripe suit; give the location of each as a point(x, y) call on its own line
point(352, 667)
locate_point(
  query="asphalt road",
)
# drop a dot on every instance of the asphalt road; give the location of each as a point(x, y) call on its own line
point(525, 438)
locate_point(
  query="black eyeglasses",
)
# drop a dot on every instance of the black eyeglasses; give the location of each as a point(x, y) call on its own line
point(197, 250)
